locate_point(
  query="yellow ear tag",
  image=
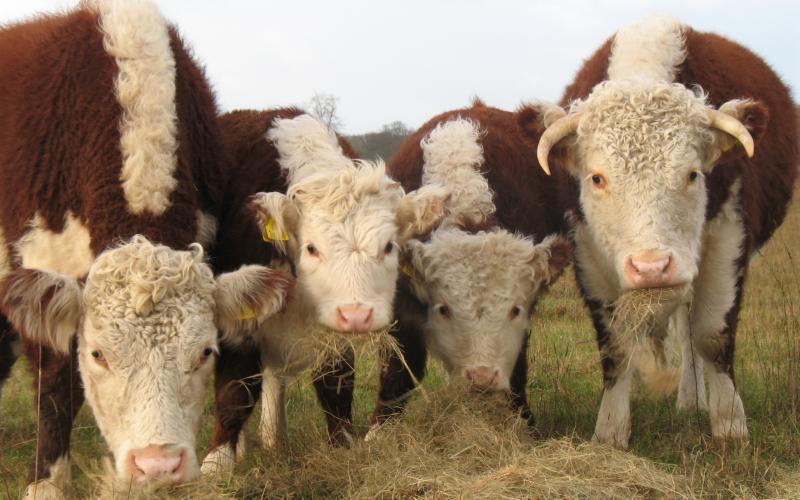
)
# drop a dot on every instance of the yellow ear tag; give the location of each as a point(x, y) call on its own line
point(271, 234)
point(410, 272)
point(247, 314)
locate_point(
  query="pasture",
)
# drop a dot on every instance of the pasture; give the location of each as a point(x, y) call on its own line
point(452, 444)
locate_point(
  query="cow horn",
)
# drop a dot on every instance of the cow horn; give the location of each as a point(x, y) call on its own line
point(560, 129)
point(732, 126)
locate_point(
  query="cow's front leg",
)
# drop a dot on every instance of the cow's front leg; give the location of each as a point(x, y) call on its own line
point(237, 388)
point(692, 387)
point(273, 428)
point(335, 383)
point(724, 403)
point(396, 381)
point(59, 396)
point(614, 418)
point(519, 385)
point(714, 316)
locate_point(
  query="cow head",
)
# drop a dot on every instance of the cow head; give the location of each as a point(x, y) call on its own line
point(640, 152)
point(480, 290)
point(146, 320)
point(342, 224)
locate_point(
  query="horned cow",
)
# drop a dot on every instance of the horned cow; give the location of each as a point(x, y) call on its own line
point(339, 224)
point(110, 158)
point(472, 286)
point(681, 149)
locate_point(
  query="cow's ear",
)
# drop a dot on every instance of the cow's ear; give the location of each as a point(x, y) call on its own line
point(421, 211)
point(43, 306)
point(278, 219)
point(532, 121)
point(754, 115)
point(246, 297)
point(413, 267)
point(550, 258)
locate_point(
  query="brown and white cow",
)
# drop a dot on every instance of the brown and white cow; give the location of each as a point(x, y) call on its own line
point(339, 223)
point(471, 288)
point(111, 165)
point(669, 199)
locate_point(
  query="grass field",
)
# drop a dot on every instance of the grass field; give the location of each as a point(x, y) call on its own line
point(467, 446)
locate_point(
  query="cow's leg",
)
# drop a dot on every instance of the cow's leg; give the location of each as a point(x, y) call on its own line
point(272, 428)
point(335, 383)
point(718, 291)
point(59, 396)
point(396, 381)
point(724, 403)
point(692, 387)
point(237, 388)
point(519, 384)
point(10, 347)
point(614, 418)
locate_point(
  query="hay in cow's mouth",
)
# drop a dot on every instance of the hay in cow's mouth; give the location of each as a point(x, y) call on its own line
point(635, 315)
point(329, 349)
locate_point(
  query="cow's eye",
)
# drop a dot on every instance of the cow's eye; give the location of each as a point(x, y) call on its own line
point(514, 312)
point(312, 250)
point(207, 352)
point(599, 181)
point(444, 311)
point(99, 358)
point(389, 248)
point(693, 176)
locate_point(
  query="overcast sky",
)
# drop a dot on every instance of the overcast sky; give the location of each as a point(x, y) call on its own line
point(411, 59)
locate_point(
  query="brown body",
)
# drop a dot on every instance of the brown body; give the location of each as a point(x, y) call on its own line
point(254, 168)
point(60, 153)
point(526, 202)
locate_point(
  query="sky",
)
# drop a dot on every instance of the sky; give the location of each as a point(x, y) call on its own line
point(409, 60)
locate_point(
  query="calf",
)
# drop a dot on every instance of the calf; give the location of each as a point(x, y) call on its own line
point(339, 223)
point(110, 158)
point(669, 200)
point(471, 289)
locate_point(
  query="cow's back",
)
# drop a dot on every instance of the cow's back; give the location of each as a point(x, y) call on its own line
point(525, 197)
point(726, 70)
point(61, 128)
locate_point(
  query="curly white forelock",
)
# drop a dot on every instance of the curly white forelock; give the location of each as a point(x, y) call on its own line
point(150, 272)
point(641, 125)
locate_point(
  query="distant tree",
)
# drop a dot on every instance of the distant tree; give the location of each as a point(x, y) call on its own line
point(381, 144)
point(325, 108)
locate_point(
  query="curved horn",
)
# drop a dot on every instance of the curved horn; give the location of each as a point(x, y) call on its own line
point(560, 129)
point(732, 126)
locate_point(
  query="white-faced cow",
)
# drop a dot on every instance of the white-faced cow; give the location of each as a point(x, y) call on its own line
point(471, 288)
point(681, 149)
point(111, 165)
point(340, 225)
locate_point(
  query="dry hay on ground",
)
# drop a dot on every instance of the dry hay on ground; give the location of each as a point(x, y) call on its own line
point(459, 444)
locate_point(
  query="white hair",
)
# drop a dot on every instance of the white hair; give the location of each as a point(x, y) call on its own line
point(650, 50)
point(149, 272)
point(453, 157)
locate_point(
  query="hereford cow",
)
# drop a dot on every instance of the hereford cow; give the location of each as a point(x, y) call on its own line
point(110, 160)
point(340, 225)
point(669, 200)
point(471, 289)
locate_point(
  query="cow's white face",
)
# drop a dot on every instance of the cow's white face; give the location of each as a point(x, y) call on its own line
point(640, 160)
point(147, 322)
point(342, 223)
point(343, 236)
point(480, 291)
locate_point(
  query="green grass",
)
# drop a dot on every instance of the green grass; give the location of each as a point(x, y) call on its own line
point(564, 391)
